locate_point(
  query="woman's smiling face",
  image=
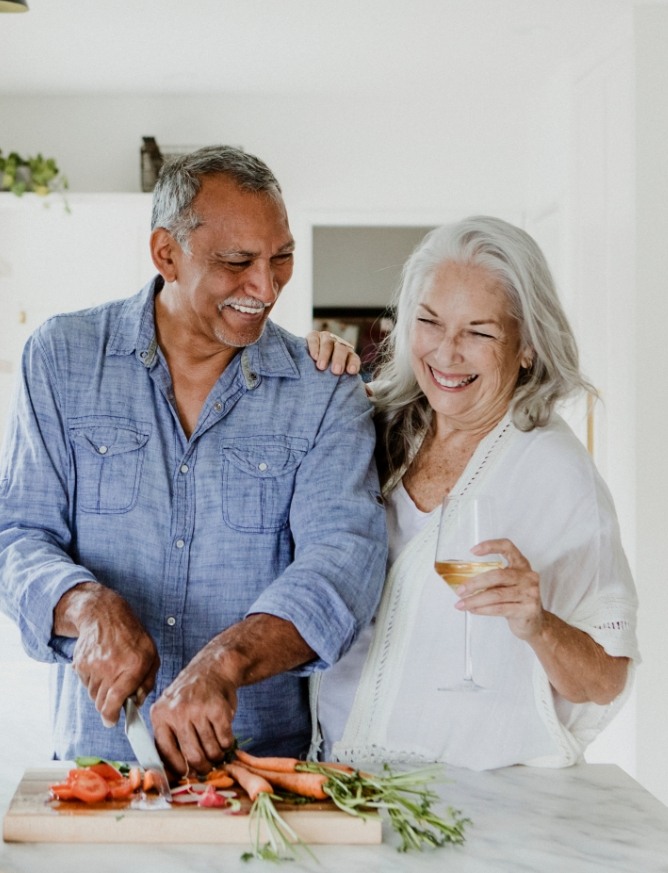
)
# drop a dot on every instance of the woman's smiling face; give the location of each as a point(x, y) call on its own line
point(465, 347)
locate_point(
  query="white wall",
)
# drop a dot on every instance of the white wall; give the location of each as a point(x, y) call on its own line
point(651, 299)
point(600, 229)
point(444, 152)
point(329, 152)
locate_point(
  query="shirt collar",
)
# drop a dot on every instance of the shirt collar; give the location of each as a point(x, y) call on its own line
point(135, 333)
point(269, 356)
point(135, 329)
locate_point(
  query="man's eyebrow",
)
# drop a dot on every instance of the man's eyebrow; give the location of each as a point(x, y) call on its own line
point(231, 253)
point(240, 253)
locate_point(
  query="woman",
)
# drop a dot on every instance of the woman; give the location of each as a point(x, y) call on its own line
point(465, 404)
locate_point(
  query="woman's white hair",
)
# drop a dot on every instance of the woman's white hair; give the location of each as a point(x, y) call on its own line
point(403, 414)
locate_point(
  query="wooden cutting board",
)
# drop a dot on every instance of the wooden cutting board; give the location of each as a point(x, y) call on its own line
point(33, 818)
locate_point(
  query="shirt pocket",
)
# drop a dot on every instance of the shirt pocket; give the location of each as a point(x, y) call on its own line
point(258, 481)
point(109, 457)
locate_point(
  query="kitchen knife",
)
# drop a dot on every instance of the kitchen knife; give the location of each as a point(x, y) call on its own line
point(143, 746)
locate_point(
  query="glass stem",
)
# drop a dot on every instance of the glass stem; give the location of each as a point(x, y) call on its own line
point(468, 663)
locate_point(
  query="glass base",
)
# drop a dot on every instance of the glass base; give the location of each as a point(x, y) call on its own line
point(466, 685)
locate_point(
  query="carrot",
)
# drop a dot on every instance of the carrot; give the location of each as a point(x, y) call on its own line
point(278, 765)
point(219, 779)
point(136, 776)
point(252, 783)
point(150, 781)
point(306, 784)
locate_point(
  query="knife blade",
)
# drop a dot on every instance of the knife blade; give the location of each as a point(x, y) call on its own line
point(143, 746)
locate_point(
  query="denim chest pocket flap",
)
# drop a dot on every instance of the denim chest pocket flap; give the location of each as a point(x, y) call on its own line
point(258, 481)
point(109, 457)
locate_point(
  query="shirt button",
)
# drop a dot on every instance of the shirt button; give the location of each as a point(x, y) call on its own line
point(184, 468)
point(262, 466)
point(217, 405)
point(180, 544)
point(171, 621)
point(103, 450)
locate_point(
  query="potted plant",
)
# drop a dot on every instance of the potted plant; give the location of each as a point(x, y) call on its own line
point(36, 174)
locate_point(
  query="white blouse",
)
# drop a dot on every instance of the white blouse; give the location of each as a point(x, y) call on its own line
point(382, 701)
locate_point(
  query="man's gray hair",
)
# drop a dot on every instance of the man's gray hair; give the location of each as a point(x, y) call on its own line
point(180, 179)
point(514, 258)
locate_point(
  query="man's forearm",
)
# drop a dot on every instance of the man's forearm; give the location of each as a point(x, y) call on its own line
point(258, 647)
point(192, 720)
point(69, 610)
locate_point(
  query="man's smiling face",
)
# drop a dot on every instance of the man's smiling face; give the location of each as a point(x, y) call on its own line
point(240, 257)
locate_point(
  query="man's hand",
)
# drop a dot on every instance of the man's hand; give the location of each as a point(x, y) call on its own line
point(192, 720)
point(114, 656)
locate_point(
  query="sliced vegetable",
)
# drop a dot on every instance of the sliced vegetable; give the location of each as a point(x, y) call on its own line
point(120, 789)
point(90, 761)
point(210, 798)
point(101, 780)
point(136, 777)
point(62, 791)
point(106, 771)
point(151, 781)
point(87, 785)
point(185, 798)
point(219, 779)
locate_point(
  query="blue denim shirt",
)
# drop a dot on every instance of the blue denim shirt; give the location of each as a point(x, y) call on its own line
point(271, 506)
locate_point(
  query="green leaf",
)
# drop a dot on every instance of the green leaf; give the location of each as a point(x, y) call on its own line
point(91, 760)
point(42, 175)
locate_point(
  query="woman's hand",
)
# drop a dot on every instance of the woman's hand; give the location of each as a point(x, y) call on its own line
point(578, 668)
point(513, 592)
point(329, 350)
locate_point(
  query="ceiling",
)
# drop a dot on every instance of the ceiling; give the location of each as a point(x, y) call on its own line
point(267, 46)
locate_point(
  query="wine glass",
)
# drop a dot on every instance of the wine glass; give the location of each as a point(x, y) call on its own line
point(465, 522)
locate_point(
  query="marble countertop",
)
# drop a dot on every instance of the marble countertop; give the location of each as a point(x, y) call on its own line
point(591, 817)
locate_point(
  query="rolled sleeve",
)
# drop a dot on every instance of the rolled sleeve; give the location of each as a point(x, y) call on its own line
point(34, 533)
point(337, 519)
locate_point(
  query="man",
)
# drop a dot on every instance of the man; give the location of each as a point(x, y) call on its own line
point(189, 511)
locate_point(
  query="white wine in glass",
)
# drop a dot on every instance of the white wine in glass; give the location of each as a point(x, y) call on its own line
point(465, 522)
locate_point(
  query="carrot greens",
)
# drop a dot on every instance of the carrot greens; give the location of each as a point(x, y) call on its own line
point(405, 797)
point(266, 823)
